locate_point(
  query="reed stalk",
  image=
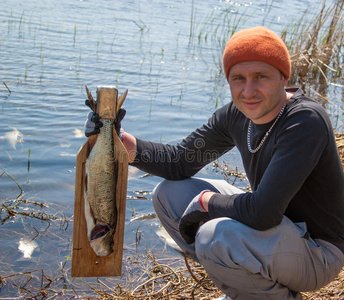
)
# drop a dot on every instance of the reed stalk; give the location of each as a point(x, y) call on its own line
point(316, 48)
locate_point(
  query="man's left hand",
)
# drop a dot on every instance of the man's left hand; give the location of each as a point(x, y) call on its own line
point(92, 124)
point(193, 217)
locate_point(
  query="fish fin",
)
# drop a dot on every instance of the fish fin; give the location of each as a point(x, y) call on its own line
point(90, 222)
point(121, 100)
point(93, 104)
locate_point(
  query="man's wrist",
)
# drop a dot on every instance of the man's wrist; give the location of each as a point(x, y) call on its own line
point(204, 199)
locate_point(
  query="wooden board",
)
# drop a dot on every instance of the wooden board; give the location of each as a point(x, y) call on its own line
point(84, 261)
point(106, 102)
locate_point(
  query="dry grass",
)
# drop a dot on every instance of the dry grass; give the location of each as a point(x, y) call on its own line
point(334, 290)
point(340, 146)
point(156, 280)
point(192, 283)
point(316, 48)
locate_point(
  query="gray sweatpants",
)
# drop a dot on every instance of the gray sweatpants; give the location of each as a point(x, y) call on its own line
point(244, 263)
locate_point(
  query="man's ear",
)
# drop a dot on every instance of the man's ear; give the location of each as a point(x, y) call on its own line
point(285, 81)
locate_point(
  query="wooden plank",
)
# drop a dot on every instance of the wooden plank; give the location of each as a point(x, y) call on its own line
point(107, 106)
point(84, 261)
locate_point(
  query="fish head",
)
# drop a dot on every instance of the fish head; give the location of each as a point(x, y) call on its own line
point(102, 241)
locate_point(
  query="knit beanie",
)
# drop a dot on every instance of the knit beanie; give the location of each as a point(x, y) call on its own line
point(256, 44)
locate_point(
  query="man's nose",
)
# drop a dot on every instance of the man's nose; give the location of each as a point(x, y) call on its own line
point(249, 89)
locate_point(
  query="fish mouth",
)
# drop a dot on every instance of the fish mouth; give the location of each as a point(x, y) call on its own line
point(99, 231)
point(102, 242)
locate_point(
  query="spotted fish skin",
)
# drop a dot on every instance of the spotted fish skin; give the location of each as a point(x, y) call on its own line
point(100, 191)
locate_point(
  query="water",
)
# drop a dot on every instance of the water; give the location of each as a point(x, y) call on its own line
point(167, 54)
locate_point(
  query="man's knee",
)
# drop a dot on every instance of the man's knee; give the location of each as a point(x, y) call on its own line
point(211, 234)
point(161, 191)
point(155, 192)
point(167, 200)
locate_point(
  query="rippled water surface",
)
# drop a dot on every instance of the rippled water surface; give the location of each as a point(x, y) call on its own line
point(166, 53)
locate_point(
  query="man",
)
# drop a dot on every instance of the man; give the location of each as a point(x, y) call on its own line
point(287, 235)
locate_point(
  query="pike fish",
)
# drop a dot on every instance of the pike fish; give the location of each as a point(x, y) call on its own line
point(100, 188)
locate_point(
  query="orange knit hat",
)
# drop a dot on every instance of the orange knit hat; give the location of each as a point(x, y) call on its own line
point(256, 44)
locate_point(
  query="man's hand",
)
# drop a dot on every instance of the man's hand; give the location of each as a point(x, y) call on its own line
point(120, 115)
point(92, 124)
point(193, 217)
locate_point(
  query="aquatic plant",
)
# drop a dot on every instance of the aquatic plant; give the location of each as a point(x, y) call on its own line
point(26, 208)
point(316, 47)
point(142, 26)
point(26, 70)
point(8, 89)
point(74, 36)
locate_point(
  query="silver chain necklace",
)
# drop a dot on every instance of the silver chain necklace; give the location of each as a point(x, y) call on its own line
point(265, 136)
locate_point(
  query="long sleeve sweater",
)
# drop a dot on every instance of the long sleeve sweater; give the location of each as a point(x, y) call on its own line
point(296, 173)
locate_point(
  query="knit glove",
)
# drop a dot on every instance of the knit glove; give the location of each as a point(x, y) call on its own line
point(193, 217)
point(92, 124)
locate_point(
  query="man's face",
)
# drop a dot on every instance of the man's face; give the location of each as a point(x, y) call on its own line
point(257, 90)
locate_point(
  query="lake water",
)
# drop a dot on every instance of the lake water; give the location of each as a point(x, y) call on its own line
point(166, 53)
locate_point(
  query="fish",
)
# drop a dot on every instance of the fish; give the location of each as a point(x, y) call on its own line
point(101, 170)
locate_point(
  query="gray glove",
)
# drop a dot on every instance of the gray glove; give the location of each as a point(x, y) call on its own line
point(92, 124)
point(193, 217)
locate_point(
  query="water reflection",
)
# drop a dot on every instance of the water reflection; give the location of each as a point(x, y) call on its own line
point(78, 133)
point(27, 247)
point(14, 137)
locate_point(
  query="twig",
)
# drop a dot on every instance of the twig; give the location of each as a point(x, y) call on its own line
point(189, 269)
point(21, 190)
point(7, 87)
point(151, 280)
